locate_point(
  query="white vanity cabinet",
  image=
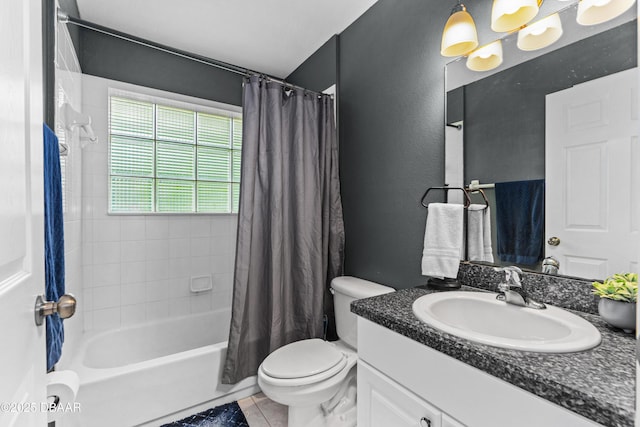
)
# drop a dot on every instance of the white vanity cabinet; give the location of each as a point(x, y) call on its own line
point(447, 421)
point(382, 403)
point(401, 381)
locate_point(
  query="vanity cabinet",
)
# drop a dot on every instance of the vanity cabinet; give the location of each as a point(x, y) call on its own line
point(447, 421)
point(401, 381)
point(382, 403)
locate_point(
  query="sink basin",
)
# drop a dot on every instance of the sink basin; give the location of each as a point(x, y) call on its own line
point(479, 317)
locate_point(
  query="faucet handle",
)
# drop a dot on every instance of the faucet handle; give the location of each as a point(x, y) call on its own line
point(514, 269)
point(508, 268)
point(512, 275)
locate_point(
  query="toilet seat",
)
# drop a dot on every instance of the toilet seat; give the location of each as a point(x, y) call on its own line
point(302, 363)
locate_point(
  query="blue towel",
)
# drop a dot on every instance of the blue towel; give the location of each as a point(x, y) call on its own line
point(520, 221)
point(53, 243)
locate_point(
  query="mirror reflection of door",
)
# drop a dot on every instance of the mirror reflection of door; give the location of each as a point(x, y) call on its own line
point(591, 156)
point(504, 122)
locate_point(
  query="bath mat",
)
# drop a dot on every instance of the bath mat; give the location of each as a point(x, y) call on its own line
point(229, 415)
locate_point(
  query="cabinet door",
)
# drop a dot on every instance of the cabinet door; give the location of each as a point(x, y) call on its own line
point(383, 403)
point(447, 421)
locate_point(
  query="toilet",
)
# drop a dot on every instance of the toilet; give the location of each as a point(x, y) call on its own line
point(316, 379)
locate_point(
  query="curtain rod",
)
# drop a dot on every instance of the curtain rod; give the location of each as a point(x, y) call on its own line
point(63, 18)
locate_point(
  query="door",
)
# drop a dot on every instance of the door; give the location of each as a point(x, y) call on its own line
point(591, 164)
point(22, 358)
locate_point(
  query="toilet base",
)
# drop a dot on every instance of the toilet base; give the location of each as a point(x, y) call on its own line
point(339, 411)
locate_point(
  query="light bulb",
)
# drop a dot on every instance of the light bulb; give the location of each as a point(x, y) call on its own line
point(459, 36)
point(541, 33)
point(509, 15)
point(592, 12)
point(486, 58)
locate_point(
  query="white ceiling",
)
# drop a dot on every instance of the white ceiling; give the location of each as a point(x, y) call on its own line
point(269, 36)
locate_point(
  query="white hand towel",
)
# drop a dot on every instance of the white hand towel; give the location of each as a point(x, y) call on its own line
point(443, 240)
point(479, 233)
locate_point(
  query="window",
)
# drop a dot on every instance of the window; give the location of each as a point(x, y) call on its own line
point(172, 159)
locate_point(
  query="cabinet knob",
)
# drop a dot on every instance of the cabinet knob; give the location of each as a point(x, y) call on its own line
point(425, 422)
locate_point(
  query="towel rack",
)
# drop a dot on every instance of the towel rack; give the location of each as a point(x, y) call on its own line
point(475, 185)
point(484, 196)
point(446, 188)
point(446, 283)
point(467, 203)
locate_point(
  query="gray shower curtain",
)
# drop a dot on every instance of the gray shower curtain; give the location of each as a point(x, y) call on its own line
point(290, 230)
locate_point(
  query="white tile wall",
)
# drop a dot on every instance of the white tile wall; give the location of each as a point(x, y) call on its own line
point(137, 268)
point(69, 90)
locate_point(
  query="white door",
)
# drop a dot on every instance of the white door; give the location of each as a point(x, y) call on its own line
point(22, 354)
point(592, 159)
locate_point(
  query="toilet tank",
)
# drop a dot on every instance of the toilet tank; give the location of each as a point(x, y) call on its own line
point(346, 289)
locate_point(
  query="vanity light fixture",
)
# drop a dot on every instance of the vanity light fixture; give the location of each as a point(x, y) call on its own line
point(541, 33)
point(592, 12)
point(509, 15)
point(459, 36)
point(486, 58)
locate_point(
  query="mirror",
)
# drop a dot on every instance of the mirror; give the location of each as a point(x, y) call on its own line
point(501, 139)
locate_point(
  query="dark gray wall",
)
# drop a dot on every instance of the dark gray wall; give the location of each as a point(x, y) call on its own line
point(49, 21)
point(319, 71)
point(391, 103)
point(504, 114)
point(70, 7)
point(110, 57)
point(48, 61)
point(391, 135)
point(455, 105)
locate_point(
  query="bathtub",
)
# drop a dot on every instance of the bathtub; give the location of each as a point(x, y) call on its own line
point(154, 373)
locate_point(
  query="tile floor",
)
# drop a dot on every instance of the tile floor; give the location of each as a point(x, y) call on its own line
point(260, 411)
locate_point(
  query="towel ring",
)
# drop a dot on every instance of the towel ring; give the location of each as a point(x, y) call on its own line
point(467, 199)
point(484, 196)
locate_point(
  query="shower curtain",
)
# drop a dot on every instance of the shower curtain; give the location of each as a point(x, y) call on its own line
point(290, 230)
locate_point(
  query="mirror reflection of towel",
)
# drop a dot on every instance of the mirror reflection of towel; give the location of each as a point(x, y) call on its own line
point(443, 240)
point(520, 221)
point(479, 233)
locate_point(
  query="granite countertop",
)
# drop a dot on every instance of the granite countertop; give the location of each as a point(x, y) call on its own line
point(598, 384)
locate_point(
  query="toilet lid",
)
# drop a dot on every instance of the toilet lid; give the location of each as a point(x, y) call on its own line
point(302, 359)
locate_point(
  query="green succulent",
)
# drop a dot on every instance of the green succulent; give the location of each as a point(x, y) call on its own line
point(619, 287)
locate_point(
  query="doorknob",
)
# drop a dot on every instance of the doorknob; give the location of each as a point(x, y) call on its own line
point(553, 241)
point(65, 307)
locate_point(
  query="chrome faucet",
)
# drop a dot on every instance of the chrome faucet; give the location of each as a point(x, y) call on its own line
point(509, 295)
point(550, 265)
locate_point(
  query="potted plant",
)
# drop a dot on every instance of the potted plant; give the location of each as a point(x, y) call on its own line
point(618, 295)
